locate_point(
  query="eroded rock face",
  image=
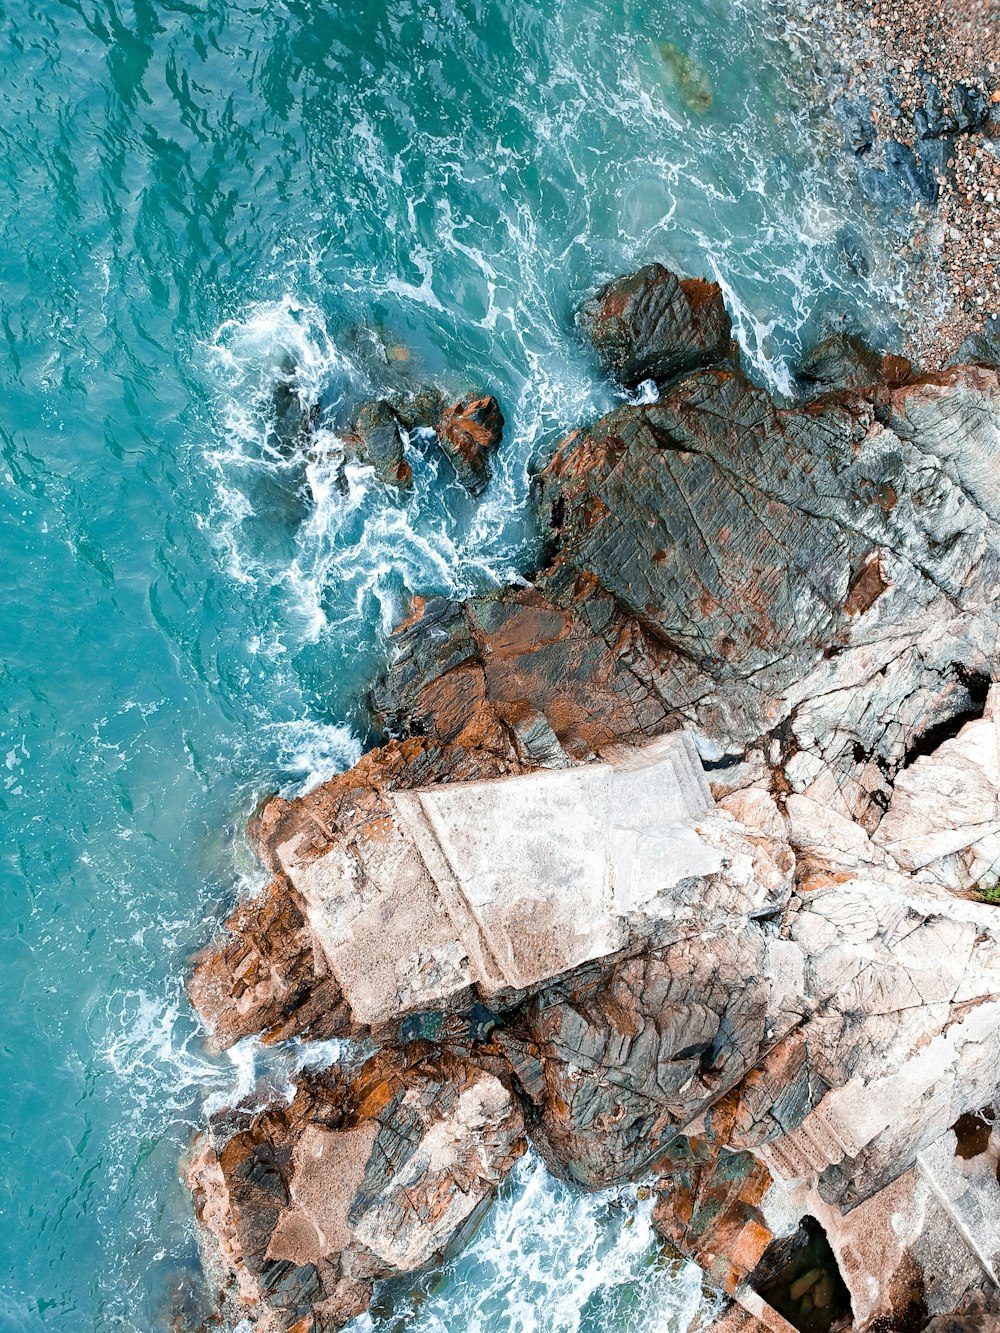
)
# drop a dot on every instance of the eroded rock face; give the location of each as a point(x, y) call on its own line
point(304, 1207)
point(617, 1061)
point(843, 361)
point(944, 814)
point(675, 847)
point(709, 1208)
point(738, 566)
point(269, 976)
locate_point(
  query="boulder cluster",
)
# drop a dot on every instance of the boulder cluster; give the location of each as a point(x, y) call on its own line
point(916, 87)
point(467, 433)
point(680, 865)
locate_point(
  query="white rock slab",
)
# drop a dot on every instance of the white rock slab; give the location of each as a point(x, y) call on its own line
point(505, 884)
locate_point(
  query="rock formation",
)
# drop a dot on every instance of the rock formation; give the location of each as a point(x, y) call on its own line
point(653, 325)
point(680, 857)
point(467, 433)
point(360, 1178)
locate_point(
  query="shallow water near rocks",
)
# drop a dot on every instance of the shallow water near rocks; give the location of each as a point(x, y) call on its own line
point(199, 200)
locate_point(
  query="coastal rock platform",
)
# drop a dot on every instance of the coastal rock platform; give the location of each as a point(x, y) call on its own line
point(680, 863)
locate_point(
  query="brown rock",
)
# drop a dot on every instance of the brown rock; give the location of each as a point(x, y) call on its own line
point(707, 1207)
point(266, 976)
point(469, 432)
point(654, 325)
point(617, 1060)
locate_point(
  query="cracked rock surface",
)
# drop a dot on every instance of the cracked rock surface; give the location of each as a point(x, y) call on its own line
point(673, 861)
point(362, 1177)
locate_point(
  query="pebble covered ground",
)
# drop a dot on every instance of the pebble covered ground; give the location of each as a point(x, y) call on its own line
point(917, 85)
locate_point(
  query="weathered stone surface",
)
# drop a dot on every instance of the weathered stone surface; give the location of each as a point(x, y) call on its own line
point(843, 361)
point(501, 661)
point(269, 972)
point(653, 325)
point(964, 1175)
point(305, 1206)
point(735, 532)
point(943, 818)
point(708, 1208)
point(494, 888)
point(742, 567)
point(616, 1061)
point(773, 963)
point(904, 1035)
point(268, 976)
point(469, 432)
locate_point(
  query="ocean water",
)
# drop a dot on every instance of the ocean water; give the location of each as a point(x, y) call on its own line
point(200, 199)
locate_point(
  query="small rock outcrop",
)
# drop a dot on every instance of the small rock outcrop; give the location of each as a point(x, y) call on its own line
point(381, 443)
point(654, 325)
point(843, 361)
point(680, 860)
point(469, 432)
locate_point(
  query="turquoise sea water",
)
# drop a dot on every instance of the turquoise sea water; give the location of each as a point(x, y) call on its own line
point(196, 198)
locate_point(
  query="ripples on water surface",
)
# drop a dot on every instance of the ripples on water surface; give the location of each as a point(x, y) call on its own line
point(195, 196)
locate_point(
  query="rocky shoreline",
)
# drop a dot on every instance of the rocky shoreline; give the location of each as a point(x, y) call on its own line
point(679, 864)
point(916, 88)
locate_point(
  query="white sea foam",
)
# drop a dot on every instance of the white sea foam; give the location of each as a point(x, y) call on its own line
point(158, 1044)
point(310, 752)
point(549, 1260)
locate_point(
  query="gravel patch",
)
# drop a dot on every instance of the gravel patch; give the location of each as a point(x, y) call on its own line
point(916, 86)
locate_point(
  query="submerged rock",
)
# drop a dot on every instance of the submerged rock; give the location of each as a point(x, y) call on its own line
point(468, 434)
point(291, 419)
point(421, 409)
point(673, 854)
point(654, 325)
point(690, 79)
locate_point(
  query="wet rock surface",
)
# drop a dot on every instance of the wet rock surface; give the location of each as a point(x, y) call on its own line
point(468, 433)
point(678, 854)
point(654, 325)
point(381, 443)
